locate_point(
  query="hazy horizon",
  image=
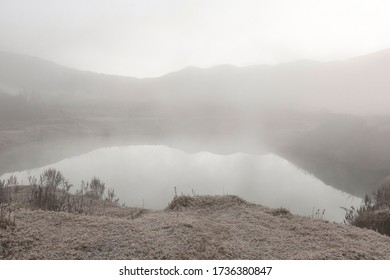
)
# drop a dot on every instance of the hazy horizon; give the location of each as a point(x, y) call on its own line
point(152, 38)
point(197, 67)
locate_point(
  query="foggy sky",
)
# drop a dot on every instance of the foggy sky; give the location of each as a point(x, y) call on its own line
point(148, 38)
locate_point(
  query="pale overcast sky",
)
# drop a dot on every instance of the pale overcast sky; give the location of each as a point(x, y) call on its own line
point(146, 38)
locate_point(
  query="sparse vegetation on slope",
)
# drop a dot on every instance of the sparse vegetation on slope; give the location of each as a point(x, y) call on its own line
point(192, 227)
point(52, 192)
point(374, 213)
point(46, 221)
point(6, 220)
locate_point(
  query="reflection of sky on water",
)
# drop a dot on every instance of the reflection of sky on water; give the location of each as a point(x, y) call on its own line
point(148, 174)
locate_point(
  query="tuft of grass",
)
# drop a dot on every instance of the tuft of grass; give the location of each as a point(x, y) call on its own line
point(378, 220)
point(318, 213)
point(180, 202)
point(374, 213)
point(280, 212)
point(7, 220)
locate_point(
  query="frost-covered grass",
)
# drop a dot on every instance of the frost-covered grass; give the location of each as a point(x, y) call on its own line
point(197, 227)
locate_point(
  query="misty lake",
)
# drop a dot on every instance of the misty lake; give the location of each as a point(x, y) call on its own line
point(146, 176)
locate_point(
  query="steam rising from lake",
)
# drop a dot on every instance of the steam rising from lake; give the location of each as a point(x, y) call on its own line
point(147, 175)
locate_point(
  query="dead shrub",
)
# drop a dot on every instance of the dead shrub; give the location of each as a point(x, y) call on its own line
point(5, 192)
point(374, 213)
point(6, 218)
point(52, 192)
point(378, 220)
point(96, 188)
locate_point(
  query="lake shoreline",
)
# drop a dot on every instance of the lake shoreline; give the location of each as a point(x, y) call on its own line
point(148, 175)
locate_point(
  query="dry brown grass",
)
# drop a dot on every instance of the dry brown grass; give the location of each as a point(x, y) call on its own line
point(199, 227)
point(280, 212)
point(206, 201)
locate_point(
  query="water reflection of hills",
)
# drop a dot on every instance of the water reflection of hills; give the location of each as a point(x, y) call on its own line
point(148, 174)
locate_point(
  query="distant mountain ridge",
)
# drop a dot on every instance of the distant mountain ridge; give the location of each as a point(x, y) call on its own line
point(357, 86)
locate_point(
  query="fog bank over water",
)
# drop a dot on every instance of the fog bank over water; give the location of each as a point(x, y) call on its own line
point(146, 176)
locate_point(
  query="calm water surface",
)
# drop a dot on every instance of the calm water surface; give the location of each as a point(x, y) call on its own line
point(147, 175)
